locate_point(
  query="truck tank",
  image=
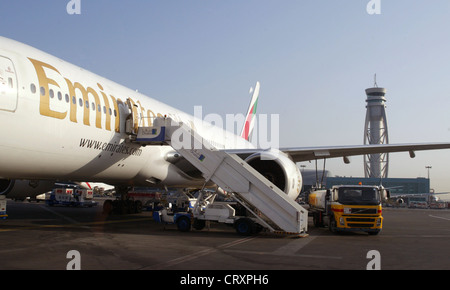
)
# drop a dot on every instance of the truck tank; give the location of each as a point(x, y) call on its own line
point(317, 199)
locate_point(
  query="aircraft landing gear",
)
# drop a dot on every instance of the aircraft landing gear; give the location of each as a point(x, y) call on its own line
point(122, 205)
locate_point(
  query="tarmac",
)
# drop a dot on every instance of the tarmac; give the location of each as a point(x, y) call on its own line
point(39, 237)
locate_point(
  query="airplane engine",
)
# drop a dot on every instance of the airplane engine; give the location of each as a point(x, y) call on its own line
point(279, 169)
point(20, 189)
point(6, 185)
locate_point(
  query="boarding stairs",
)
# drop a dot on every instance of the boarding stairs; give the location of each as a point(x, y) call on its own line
point(271, 207)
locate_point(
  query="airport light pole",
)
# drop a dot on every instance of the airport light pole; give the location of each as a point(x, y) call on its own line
point(428, 167)
point(303, 167)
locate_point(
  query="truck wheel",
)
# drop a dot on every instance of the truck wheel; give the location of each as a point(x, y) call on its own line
point(130, 207)
point(199, 224)
point(317, 220)
point(107, 207)
point(138, 206)
point(245, 227)
point(184, 224)
point(332, 226)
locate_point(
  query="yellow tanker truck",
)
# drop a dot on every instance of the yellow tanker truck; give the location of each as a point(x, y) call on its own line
point(348, 208)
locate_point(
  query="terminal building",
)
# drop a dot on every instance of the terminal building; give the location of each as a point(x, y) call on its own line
point(397, 186)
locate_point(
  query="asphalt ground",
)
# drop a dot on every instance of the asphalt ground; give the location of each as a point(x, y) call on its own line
point(38, 237)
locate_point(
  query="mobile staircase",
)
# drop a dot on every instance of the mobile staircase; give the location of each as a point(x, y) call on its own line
point(269, 206)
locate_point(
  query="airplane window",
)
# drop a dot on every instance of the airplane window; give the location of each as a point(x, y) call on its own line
point(87, 104)
point(93, 106)
point(59, 96)
point(110, 112)
point(33, 88)
point(42, 91)
point(104, 109)
point(67, 98)
point(80, 101)
point(115, 113)
point(74, 100)
point(99, 108)
point(52, 94)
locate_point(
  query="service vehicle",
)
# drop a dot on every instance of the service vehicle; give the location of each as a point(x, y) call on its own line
point(205, 208)
point(348, 208)
point(3, 214)
point(145, 198)
point(37, 198)
point(71, 197)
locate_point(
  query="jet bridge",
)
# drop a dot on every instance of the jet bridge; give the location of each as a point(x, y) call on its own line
point(270, 207)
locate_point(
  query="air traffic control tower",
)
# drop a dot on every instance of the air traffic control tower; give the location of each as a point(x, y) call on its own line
point(376, 132)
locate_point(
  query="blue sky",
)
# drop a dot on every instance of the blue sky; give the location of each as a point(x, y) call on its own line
point(314, 60)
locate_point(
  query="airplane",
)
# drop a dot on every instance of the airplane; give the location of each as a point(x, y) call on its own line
point(63, 123)
point(424, 200)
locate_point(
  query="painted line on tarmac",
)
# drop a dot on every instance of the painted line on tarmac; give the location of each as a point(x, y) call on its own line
point(73, 224)
point(71, 220)
point(293, 247)
point(283, 255)
point(289, 250)
point(196, 255)
point(439, 217)
point(83, 225)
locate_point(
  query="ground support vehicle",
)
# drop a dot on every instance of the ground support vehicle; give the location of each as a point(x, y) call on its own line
point(38, 198)
point(348, 208)
point(438, 205)
point(3, 214)
point(71, 197)
point(139, 199)
point(122, 206)
point(147, 200)
point(206, 209)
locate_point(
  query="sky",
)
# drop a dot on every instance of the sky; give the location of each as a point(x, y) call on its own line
point(314, 59)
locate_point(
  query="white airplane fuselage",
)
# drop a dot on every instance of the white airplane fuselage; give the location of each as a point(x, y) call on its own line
point(61, 122)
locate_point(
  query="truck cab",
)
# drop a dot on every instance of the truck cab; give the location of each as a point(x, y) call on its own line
point(349, 208)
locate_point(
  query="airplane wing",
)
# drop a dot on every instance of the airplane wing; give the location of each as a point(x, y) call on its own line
point(299, 154)
point(313, 153)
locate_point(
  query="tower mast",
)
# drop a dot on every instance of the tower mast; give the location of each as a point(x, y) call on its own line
point(376, 132)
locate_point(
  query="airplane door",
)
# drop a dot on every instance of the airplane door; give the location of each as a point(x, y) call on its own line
point(132, 121)
point(8, 85)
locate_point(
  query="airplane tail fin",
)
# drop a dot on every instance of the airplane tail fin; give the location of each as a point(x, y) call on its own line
point(251, 113)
